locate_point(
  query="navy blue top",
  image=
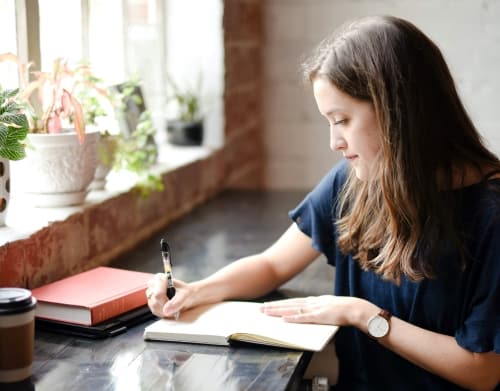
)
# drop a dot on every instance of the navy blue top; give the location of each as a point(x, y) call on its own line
point(463, 304)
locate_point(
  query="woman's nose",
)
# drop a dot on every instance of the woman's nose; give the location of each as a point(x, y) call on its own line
point(337, 143)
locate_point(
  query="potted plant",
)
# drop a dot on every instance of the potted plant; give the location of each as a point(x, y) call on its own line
point(127, 132)
point(186, 125)
point(13, 131)
point(98, 106)
point(137, 155)
point(129, 103)
point(59, 168)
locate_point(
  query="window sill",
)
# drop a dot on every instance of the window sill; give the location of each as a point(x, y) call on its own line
point(39, 245)
point(23, 220)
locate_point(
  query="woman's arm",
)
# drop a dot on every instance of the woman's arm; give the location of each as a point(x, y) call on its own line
point(249, 277)
point(259, 274)
point(441, 355)
point(436, 353)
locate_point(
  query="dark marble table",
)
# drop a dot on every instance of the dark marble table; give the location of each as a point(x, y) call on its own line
point(234, 224)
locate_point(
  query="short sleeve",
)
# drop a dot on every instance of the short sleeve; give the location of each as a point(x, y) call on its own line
point(480, 331)
point(315, 214)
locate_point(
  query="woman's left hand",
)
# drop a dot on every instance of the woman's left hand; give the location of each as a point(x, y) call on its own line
point(326, 309)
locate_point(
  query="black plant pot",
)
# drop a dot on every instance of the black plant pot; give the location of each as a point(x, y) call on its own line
point(185, 132)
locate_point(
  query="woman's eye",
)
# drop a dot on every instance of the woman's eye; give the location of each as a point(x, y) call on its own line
point(340, 121)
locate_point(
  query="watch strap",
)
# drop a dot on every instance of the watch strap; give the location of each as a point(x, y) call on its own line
point(385, 314)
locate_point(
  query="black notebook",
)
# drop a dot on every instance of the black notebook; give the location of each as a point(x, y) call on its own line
point(108, 328)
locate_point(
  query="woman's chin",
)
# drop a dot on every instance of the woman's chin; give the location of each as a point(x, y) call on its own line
point(361, 173)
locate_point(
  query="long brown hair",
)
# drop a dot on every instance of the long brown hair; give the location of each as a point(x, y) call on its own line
point(394, 223)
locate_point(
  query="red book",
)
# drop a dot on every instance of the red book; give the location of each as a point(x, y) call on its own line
point(93, 296)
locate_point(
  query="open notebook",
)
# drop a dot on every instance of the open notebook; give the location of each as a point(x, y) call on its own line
point(222, 323)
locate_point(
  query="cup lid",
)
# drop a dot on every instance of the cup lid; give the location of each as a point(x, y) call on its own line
point(14, 298)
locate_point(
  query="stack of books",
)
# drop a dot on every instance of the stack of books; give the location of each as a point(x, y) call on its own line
point(97, 303)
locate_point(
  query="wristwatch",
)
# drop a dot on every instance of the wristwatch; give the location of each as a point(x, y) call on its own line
point(378, 325)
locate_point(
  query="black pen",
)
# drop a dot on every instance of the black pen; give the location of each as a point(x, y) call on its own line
point(167, 266)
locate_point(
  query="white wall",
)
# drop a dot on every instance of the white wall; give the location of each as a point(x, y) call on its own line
point(297, 140)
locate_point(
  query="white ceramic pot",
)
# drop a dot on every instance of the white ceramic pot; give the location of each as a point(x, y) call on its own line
point(106, 148)
point(58, 171)
point(4, 189)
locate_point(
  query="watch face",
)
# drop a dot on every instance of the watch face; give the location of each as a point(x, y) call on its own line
point(378, 326)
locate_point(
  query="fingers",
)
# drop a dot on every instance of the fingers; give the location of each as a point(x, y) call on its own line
point(172, 307)
point(285, 304)
point(158, 302)
point(313, 309)
point(289, 309)
point(156, 294)
point(157, 283)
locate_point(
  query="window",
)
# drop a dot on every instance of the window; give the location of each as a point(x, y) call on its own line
point(60, 37)
point(106, 45)
point(123, 39)
point(8, 43)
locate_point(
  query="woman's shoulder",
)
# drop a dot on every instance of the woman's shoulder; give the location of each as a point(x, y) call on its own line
point(481, 204)
point(485, 190)
point(478, 182)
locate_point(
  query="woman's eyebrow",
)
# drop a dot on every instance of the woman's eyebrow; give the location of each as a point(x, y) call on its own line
point(334, 110)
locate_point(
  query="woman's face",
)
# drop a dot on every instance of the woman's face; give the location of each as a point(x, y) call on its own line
point(354, 129)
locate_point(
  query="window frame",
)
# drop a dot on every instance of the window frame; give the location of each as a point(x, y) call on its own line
point(29, 37)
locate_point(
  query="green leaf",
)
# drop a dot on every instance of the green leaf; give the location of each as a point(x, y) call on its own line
point(138, 154)
point(11, 93)
point(13, 126)
point(16, 120)
point(18, 135)
point(10, 145)
point(10, 107)
point(4, 131)
point(13, 152)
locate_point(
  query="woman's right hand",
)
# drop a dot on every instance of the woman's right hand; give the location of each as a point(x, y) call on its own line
point(158, 302)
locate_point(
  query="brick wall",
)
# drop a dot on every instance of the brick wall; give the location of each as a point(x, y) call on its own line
point(243, 38)
point(101, 231)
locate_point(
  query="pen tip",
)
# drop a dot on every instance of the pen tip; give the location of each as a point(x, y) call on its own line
point(164, 246)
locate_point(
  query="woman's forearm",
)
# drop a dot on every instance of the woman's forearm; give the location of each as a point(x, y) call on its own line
point(256, 275)
point(441, 355)
point(248, 277)
point(438, 353)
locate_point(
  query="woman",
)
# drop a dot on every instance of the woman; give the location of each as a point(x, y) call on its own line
point(410, 219)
